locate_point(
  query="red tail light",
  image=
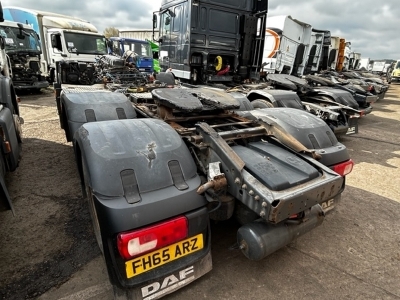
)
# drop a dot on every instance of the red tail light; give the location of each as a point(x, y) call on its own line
point(344, 168)
point(134, 243)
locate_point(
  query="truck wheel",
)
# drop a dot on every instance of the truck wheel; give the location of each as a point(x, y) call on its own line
point(92, 208)
point(261, 103)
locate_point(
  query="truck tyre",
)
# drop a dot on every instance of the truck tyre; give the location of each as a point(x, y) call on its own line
point(92, 208)
point(261, 103)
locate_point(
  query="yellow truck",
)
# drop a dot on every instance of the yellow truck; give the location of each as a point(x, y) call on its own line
point(393, 72)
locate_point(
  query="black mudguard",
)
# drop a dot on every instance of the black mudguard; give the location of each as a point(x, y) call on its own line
point(279, 98)
point(340, 96)
point(310, 130)
point(140, 172)
point(80, 108)
point(9, 161)
point(10, 135)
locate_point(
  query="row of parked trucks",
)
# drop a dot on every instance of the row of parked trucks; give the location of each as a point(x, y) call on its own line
point(209, 139)
point(158, 161)
point(10, 126)
point(291, 46)
point(296, 48)
point(36, 40)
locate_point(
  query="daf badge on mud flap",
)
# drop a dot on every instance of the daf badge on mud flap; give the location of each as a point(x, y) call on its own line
point(169, 283)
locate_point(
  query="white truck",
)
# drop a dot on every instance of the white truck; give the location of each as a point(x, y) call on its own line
point(364, 63)
point(334, 52)
point(355, 60)
point(317, 57)
point(378, 67)
point(23, 50)
point(347, 56)
point(62, 37)
point(287, 42)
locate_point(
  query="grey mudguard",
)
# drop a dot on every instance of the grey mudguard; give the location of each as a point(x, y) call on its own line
point(310, 130)
point(282, 170)
point(195, 99)
point(8, 162)
point(279, 98)
point(81, 108)
point(131, 163)
point(338, 95)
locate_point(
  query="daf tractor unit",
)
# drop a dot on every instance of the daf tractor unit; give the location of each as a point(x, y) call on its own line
point(158, 161)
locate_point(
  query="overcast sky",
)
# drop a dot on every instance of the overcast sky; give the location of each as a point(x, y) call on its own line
point(371, 26)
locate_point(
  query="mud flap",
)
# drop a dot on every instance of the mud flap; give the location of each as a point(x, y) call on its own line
point(168, 284)
point(353, 126)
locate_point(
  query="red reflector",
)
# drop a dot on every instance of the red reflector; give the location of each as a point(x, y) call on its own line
point(131, 244)
point(344, 168)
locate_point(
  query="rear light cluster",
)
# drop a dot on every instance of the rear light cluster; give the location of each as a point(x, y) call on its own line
point(344, 168)
point(138, 242)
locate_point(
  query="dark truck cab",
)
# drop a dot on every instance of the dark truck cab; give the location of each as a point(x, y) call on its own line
point(211, 41)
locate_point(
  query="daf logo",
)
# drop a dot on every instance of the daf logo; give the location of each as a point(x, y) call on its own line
point(169, 284)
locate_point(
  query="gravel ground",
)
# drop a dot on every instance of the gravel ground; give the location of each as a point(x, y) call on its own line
point(51, 236)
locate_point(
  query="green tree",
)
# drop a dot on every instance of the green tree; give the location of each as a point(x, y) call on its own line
point(110, 31)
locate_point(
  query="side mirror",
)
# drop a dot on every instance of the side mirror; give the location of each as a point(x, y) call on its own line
point(155, 21)
point(54, 43)
point(109, 44)
point(2, 43)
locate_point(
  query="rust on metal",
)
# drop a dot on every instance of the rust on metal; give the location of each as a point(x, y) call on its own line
point(217, 184)
point(287, 139)
point(164, 112)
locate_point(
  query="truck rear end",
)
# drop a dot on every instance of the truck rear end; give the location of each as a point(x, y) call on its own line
point(156, 171)
point(154, 174)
